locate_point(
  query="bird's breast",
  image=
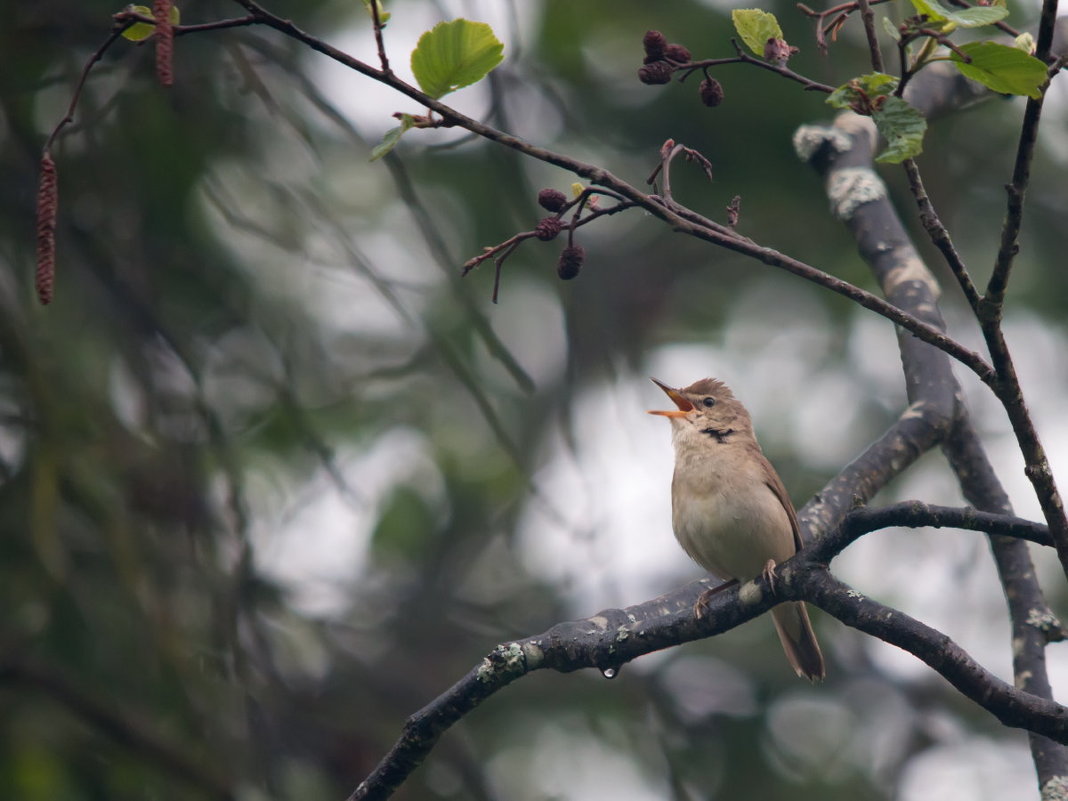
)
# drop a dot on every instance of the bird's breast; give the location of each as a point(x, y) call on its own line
point(725, 515)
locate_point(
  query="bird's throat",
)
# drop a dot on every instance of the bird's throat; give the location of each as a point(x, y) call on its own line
point(718, 434)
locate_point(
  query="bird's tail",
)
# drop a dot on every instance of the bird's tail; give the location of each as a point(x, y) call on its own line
point(799, 640)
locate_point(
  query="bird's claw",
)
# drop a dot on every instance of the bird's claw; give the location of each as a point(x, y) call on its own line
point(769, 575)
point(700, 607)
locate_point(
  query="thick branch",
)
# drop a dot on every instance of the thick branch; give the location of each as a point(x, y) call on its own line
point(886, 247)
point(614, 637)
point(1033, 623)
point(1010, 706)
point(916, 514)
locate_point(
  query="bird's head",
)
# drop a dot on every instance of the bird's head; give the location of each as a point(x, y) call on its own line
point(705, 407)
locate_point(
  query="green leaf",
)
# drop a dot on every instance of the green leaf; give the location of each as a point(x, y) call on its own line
point(1025, 42)
point(903, 127)
point(1004, 69)
point(934, 11)
point(142, 30)
point(891, 29)
point(392, 136)
point(756, 27)
point(974, 17)
point(978, 16)
point(862, 88)
point(455, 54)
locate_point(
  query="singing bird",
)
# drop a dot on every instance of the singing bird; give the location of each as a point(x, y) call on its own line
point(729, 508)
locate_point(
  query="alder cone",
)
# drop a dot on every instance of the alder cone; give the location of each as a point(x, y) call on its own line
point(552, 199)
point(657, 72)
point(570, 263)
point(655, 44)
point(677, 52)
point(711, 92)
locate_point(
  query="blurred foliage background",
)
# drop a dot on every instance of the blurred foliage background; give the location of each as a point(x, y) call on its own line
point(274, 476)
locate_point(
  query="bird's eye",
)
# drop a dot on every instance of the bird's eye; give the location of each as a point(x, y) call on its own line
point(709, 402)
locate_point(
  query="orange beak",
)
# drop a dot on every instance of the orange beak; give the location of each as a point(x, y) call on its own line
point(683, 404)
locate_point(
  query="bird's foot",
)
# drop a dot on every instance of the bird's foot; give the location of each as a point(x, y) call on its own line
point(700, 607)
point(769, 574)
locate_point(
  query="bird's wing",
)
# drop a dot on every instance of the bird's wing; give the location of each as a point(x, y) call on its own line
point(776, 486)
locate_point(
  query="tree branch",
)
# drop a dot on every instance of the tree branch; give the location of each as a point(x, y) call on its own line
point(917, 514)
point(1012, 707)
point(650, 203)
point(1033, 624)
point(613, 637)
point(884, 244)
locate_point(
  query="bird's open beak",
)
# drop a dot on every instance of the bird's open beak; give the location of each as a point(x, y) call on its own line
point(683, 404)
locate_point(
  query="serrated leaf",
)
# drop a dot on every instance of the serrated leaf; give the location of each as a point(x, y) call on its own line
point(891, 29)
point(868, 86)
point(903, 127)
point(978, 16)
point(140, 31)
point(974, 17)
point(934, 11)
point(455, 54)
point(391, 137)
point(756, 27)
point(1004, 69)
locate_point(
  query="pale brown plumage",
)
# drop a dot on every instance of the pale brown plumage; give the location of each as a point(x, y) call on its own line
point(730, 510)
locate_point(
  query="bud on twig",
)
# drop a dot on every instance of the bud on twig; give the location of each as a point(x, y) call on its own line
point(47, 208)
point(677, 52)
point(711, 92)
point(552, 199)
point(654, 44)
point(778, 52)
point(547, 228)
point(734, 210)
point(570, 262)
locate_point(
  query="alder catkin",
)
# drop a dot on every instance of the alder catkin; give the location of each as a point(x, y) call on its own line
point(47, 208)
point(161, 12)
point(552, 199)
point(570, 262)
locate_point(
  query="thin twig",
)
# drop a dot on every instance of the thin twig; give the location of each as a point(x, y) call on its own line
point(1016, 191)
point(840, 14)
point(868, 18)
point(745, 58)
point(512, 242)
point(1002, 26)
point(938, 234)
point(117, 31)
point(602, 177)
point(379, 43)
point(218, 25)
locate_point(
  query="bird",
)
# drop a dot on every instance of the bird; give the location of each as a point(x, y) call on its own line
point(730, 510)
